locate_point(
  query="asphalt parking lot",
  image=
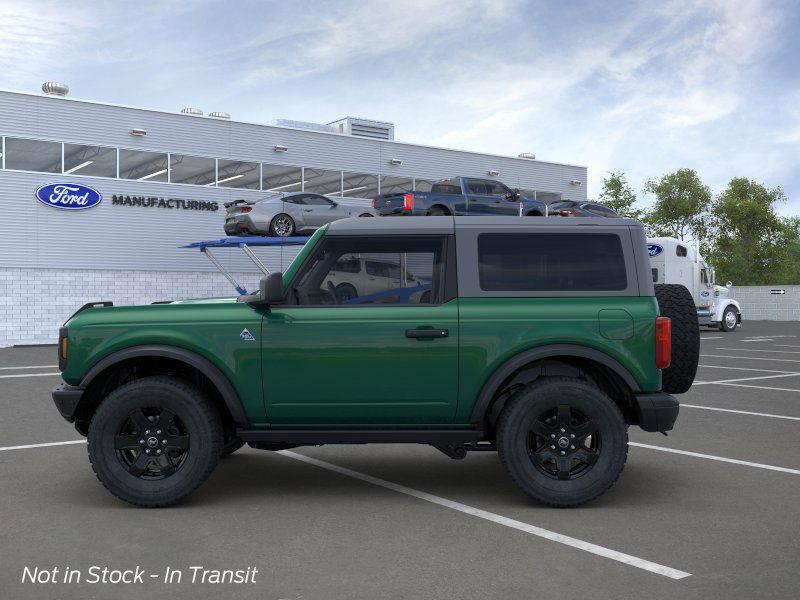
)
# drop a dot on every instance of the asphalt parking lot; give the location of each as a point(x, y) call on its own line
point(711, 511)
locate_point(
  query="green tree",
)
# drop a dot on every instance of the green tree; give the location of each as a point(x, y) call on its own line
point(751, 244)
point(618, 195)
point(681, 205)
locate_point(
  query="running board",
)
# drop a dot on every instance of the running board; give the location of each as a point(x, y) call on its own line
point(314, 437)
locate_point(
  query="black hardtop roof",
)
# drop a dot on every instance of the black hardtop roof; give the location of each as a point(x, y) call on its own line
point(448, 224)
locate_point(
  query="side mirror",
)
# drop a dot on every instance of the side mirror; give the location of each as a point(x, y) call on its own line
point(334, 204)
point(270, 291)
point(729, 285)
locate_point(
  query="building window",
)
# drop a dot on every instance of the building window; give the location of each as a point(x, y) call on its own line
point(143, 166)
point(423, 185)
point(33, 155)
point(320, 181)
point(359, 185)
point(194, 170)
point(551, 262)
point(237, 174)
point(97, 161)
point(280, 178)
point(396, 185)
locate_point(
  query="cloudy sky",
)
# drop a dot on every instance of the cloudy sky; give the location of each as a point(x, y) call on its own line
point(641, 87)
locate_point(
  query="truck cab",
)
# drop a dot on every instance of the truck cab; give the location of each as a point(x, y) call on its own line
point(676, 262)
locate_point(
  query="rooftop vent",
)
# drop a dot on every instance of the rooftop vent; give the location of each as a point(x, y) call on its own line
point(192, 111)
point(377, 130)
point(303, 125)
point(219, 115)
point(51, 88)
point(527, 155)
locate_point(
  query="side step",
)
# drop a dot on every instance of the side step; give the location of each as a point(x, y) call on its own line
point(316, 437)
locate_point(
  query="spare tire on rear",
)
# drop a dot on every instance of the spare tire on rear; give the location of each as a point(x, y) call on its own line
point(676, 302)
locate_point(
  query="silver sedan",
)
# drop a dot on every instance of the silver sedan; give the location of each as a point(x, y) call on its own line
point(286, 214)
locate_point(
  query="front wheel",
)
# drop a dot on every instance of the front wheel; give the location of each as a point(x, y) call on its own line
point(563, 441)
point(281, 226)
point(154, 440)
point(729, 320)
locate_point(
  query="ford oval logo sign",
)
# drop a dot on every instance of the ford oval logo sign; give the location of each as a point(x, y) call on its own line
point(705, 294)
point(654, 250)
point(68, 196)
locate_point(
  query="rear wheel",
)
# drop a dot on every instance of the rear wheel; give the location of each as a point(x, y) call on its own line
point(563, 441)
point(282, 225)
point(437, 211)
point(345, 292)
point(154, 441)
point(729, 320)
point(676, 302)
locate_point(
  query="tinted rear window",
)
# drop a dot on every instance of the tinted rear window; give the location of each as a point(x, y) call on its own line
point(550, 262)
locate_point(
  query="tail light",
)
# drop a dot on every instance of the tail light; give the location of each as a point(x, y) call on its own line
point(374, 200)
point(663, 342)
point(408, 202)
point(246, 209)
point(568, 211)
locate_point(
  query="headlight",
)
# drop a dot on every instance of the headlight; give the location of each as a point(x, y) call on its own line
point(716, 293)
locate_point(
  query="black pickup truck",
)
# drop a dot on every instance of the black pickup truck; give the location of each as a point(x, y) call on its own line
point(461, 196)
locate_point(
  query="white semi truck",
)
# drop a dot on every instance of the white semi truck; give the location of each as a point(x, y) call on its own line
point(674, 261)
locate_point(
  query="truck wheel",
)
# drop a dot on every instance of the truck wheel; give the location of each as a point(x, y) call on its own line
point(676, 302)
point(437, 211)
point(562, 440)
point(281, 226)
point(154, 440)
point(729, 320)
point(345, 292)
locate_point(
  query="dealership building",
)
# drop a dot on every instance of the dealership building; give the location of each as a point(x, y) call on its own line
point(162, 179)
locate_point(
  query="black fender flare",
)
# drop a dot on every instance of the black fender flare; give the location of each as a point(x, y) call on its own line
point(205, 366)
point(504, 371)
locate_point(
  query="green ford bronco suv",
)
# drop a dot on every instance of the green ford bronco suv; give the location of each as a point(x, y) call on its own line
point(542, 339)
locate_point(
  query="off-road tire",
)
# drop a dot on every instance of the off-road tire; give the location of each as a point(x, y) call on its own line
point(514, 431)
point(230, 446)
point(292, 226)
point(195, 412)
point(723, 325)
point(676, 302)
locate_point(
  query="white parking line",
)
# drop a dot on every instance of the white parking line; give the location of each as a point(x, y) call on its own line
point(713, 337)
point(741, 412)
point(761, 387)
point(759, 350)
point(33, 367)
point(745, 379)
point(26, 446)
point(495, 518)
point(742, 369)
point(751, 358)
point(787, 346)
point(28, 375)
point(758, 340)
point(719, 458)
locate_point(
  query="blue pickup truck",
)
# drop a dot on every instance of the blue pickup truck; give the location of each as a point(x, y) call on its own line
point(462, 196)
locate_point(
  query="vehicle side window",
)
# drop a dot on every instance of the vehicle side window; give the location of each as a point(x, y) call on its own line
point(446, 187)
point(495, 188)
point(295, 199)
point(402, 270)
point(476, 186)
point(703, 276)
point(315, 200)
point(681, 250)
point(551, 262)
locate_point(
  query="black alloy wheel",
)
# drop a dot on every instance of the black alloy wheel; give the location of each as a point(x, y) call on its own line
point(152, 443)
point(564, 443)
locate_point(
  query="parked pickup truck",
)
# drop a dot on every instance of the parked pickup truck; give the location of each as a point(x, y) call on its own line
point(461, 196)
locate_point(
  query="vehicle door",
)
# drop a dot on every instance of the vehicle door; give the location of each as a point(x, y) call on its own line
point(485, 197)
point(377, 357)
point(319, 210)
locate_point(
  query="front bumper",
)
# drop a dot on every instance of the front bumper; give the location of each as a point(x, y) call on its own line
point(656, 412)
point(67, 399)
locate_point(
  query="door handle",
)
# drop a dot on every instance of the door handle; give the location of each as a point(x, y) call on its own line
point(423, 334)
point(307, 210)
